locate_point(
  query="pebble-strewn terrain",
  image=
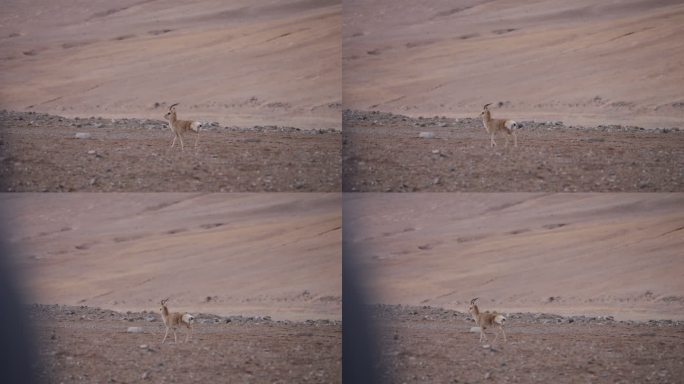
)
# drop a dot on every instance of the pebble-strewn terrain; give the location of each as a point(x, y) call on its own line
point(384, 152)
point(86, 345)
point(48, 153)
point(428, 344)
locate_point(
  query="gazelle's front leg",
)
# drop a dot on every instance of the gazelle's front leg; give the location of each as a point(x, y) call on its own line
point(492, 140)
point(174, 141)
point(166, 334)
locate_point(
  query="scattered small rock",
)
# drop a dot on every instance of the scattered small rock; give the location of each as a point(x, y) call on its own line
point(426, 135)
point(82, 135)
point(134, 330)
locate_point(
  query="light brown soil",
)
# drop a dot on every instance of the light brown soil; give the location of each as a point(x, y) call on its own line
point(382, 152)
point(86, 345)
point(426, 344)
point(40, 152)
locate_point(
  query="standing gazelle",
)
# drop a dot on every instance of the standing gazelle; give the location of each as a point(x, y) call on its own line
point(179, 127)
point(174, 320)
point(487, 319)
point(494, 126)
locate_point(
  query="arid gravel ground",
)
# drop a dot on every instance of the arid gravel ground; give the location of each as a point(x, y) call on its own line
point(90, 345)
point(40, 153)
point(382, 152)
point(428, 344)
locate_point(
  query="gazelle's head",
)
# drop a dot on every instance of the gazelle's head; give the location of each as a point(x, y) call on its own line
point(485, 109)
point(163, 308)
point(473, 307)
point(172, 111)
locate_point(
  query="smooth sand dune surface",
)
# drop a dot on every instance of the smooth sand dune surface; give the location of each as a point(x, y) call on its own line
point(582, 62)
point(251, 254)
point(600, 253)
point(238, 62)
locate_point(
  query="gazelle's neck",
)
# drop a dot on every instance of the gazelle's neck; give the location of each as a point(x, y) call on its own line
point(486, 116)
point(476, 310)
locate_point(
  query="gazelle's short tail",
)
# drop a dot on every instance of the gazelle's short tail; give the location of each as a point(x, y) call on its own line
point(196, 126)
point(188, 318)
point(511, 125)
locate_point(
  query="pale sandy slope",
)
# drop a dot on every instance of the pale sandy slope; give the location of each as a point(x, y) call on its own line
point(241, 62)
point(605, 253)
point(582, 62)
point(253, 254)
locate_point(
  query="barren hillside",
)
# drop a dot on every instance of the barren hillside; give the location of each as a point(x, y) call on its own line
point(238, 63)
point(581, 62)
point(594, 254)
point(227, 254)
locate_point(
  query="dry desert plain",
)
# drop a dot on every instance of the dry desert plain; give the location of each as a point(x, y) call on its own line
point(596, 85)
point(590, 282)
point(261, 272)
point(264, 77)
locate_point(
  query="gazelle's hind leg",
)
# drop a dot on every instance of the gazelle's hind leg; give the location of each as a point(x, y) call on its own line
point(483, 336)
point(496, 336)
point(175, 337)
point(188, 335)
point(180, 137)
point(196, 139)
point(504, 332)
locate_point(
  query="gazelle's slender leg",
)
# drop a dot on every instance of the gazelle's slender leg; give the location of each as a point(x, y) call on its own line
point(166, 334)
point(175, 337)
point(504, 332)
point(174, 141)
point(188, 334)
